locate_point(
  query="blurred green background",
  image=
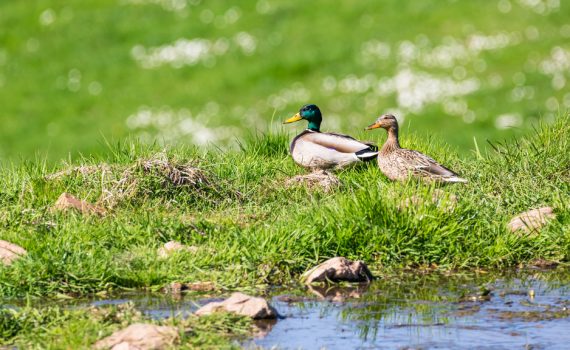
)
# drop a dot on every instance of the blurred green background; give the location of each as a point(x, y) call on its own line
point(74, 74)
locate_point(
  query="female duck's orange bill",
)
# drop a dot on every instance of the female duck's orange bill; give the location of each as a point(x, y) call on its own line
point(372, 126)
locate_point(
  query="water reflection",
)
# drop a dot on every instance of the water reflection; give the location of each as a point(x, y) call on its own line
point(338, 293)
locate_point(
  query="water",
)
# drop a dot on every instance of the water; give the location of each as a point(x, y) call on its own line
point(522, 310)
point(509, 310)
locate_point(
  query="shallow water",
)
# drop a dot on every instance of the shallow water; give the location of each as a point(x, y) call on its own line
point(509, 310)
point(522, 310)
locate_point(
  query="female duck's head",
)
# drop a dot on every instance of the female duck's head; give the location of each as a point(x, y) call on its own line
point(310, 113)
point(386, 121)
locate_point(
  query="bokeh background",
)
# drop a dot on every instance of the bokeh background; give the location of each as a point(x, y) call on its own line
point(76, 75)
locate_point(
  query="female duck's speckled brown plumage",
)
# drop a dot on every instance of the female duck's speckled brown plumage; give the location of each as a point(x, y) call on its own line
point(398, 163)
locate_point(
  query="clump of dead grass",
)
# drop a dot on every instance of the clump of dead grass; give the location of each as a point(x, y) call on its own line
point(177, 174)
point(158, 176)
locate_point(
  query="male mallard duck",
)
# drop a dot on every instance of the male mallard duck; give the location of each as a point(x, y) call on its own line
point(399, 163)
point(325, 150)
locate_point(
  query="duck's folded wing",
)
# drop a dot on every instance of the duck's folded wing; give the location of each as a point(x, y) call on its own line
point(313, 155)
point(338, 142)
point(419, 162)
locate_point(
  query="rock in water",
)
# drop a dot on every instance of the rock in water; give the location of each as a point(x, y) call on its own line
point(140, 336)
point(67, 201)
point(241, 304)
point(10, 252)
point(338, 269)
point(531, 220)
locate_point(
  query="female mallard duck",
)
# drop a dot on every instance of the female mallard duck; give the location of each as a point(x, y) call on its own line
point(399, 163)
point(324, 150)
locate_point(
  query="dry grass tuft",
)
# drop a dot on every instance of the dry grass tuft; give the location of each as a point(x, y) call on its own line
point(155, 176)
point(83, 170)
point(177, 174)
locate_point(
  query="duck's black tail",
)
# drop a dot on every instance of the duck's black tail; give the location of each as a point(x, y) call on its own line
point(367, 154)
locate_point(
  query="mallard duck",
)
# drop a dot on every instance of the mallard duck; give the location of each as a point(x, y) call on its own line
point(314, 149)
point(398, 163)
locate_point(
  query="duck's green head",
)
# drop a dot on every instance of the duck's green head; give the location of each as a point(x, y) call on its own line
point(310, 113)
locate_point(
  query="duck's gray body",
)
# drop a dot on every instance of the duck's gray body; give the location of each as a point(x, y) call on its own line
point(317, 150)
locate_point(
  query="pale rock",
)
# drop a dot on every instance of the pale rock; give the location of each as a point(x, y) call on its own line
point(173, 246)
point(241, 304)
point(337, 270)
point(531, 220)
point(140, 336)
point(10, 252)
point(67, 202)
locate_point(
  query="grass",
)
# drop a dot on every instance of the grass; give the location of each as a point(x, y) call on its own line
point(68, 77)
point(251, 231)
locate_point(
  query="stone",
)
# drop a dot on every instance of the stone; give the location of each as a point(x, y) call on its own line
point(337, 270)
point(67, 202)
point(318, 179)
point(171, 247)
point(241, 304)
point(140, 336)
point(10, 252)
point(199, 286)
point(531, 220)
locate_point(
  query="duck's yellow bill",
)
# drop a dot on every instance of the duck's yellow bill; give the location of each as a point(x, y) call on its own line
point(372, 126)
point(293, 119)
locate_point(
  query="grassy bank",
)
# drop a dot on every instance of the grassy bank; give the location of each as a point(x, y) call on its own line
point(250, 229)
